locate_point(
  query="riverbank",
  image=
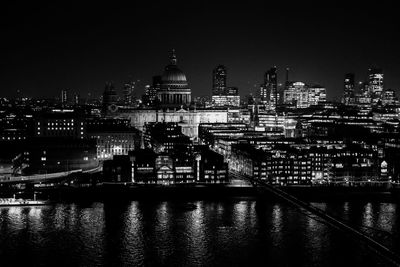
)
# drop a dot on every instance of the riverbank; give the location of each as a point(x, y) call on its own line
point(209, 191)
point(110, 192)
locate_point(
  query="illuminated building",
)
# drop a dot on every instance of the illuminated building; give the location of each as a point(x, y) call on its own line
point(277, 166)
point(269, 90)
point(150, 92)
point(375, 83)
point(294, 164)
point(364, 96)
point(189, 119)
point(64, 97)
point(13, 134)
point(389, 97)
point(144, 166)
point(300, 95)
point(210, 167)
point(349, 86)
point(226, 100)
point(296, 94)
point(60, 123)
point(59, 154)
point(76, 99)
point(113, 137)
point(129, 88)
point(316, 95)
point(167, 137)
point(238, 115)
point(223, 96)
point(270, 120)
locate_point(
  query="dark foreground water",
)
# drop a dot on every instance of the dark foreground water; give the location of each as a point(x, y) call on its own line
point(235, 232)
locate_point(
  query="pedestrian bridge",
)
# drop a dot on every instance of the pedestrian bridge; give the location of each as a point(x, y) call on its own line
point(381, 249)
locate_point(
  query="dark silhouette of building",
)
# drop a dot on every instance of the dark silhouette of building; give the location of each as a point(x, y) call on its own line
point(118, 170)
point(110, 99)
point(219, 80)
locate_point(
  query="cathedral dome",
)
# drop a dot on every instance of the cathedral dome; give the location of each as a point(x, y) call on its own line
point(173, 74)
point(174, 91)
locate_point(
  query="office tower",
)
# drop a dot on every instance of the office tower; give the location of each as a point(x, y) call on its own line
point(375, 84)
point(287, 77)
point(389, 97)
point(219, 80)
point(316, 95)
point(76, 99)
point(296, 94)
point(364, 95)
point(128, 93)
point(64, 97)
point(157, 82)
point(150, 91)
point(269, 90)
point(110, 99)
point(348, 94)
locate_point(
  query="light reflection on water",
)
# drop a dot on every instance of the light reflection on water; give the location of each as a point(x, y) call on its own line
point(179, 233)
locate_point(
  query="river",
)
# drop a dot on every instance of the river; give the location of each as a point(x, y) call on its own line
point(230, 232)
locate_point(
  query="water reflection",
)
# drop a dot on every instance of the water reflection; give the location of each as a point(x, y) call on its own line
point(368, 218)
point(179, 233)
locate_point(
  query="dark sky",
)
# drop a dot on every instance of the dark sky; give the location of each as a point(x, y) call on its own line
point(80, 47)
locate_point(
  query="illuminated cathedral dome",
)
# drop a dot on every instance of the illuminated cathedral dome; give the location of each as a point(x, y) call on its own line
point(173, 74)
point(173, 77)
point(174, 90)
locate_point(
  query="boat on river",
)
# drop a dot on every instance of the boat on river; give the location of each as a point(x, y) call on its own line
point(5, 202)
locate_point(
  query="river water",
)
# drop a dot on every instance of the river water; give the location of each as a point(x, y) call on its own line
point(233, 232)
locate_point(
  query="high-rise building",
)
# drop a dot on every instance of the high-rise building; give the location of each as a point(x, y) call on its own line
point(348, 95)
point(287, 77)
point(296, 94)
point(64, 97)
point(375, 83)
point(316, 95)
point(150, 92)
point(389, 97)
point(76, 99)
point(269, 90)
point(128, 92)
point(110, 99)
point(364, 95)
point(219, 80)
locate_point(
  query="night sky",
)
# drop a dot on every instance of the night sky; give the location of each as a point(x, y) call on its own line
point(80, 47)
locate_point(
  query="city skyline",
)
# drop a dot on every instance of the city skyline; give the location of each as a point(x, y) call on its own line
point(120, 43)
point(205, 133)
